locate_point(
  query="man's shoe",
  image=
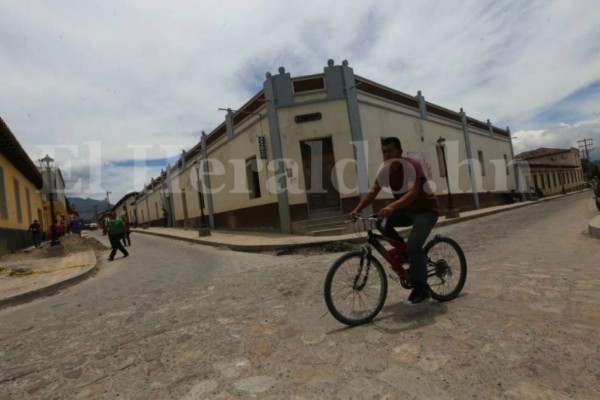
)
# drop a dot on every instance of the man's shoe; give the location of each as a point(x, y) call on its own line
point(110, 258)
point(420, 296)
point(126, 255)
point(413, 295)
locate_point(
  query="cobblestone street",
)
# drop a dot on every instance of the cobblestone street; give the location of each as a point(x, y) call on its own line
point(183, 321)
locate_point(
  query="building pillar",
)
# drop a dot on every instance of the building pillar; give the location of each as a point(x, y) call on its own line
point(183, 154)
point(206, 177)
point(515, 163)
point(147, 203)
point(172, 214)
point(474, 188)
point(422, 105)
point(229, 123)
point(279, 93)
point(340, 84)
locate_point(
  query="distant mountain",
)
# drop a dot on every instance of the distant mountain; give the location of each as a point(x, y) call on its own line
point(86, 208)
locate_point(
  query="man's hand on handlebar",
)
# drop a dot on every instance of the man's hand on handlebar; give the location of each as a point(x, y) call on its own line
point(352, 214)
point(385, 211)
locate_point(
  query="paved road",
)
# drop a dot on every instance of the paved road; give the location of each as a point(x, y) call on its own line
point(184, 321)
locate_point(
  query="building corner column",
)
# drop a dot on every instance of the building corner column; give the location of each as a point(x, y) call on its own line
point(278, 93)
point(340, 83)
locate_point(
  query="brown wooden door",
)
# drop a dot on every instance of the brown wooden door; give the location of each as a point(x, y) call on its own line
point(318, 162)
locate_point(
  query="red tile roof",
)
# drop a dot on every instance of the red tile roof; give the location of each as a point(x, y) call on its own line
point(540, 152)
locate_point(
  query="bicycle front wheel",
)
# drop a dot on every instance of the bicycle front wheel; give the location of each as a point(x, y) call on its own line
point(446, 268)
point(355, 288)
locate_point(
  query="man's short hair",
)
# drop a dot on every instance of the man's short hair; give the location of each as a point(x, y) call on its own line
point(391, 140)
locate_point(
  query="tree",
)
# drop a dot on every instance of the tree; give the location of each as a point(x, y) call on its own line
point(590, 169)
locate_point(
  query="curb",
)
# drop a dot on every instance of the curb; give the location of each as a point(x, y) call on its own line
point(275, 247)
point(480, 215)
point(47, 290)
point(250, 248)
point(594, 227)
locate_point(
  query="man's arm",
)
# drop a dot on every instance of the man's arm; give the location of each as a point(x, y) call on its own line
point(366, 200)
point(407, 198)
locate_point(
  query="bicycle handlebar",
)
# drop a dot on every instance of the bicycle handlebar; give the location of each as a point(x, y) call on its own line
point(372, 217)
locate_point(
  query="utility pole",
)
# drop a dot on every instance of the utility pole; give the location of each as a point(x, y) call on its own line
point(583, 146)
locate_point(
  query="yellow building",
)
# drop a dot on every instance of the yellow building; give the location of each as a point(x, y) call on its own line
point(553, 171)
point(20, 199)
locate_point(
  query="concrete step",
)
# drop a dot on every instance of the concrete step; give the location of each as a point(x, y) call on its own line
point(317, 221)
point(321, 220)
point(329, 232)
point(324, 225)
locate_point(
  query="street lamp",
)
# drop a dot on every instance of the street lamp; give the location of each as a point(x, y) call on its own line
point(47, 163)
point(451, 212)
point(204, 228)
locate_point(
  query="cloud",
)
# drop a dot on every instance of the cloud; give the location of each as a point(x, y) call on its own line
point(155, 74)
point(561, 135)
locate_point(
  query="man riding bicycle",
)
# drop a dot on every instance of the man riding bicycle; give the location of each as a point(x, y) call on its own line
point(415, 204)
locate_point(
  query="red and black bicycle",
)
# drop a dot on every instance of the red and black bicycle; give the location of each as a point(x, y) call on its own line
point(356, 284)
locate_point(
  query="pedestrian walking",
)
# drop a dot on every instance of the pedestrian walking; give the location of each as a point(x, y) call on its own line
point(36, 237)
point(115, 230)
point(126, 232)
point(76, 225)
point(58, 226)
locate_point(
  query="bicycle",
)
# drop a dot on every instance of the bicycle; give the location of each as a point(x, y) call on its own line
point(446, 274)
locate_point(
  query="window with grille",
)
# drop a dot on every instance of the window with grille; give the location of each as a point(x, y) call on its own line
point(28, 198)
point(3, 204)
point(252, 178)
point(18, 200)
point(480, 155)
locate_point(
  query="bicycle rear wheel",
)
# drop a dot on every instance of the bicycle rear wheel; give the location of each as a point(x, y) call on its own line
point(355, 288)
point(446, 268)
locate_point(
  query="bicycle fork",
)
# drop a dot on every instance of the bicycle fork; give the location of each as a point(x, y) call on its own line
point(365, 254)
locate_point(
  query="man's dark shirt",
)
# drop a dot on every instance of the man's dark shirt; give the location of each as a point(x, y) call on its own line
point(392, 174)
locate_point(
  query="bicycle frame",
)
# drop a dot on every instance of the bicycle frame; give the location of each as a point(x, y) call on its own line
point(374, 240)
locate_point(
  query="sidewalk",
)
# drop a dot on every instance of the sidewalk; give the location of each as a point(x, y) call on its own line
point(263, 241)
point(48, 275)
point(42, 277)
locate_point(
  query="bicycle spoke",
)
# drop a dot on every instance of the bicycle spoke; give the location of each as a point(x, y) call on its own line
point(360, 301)
point(445, 269)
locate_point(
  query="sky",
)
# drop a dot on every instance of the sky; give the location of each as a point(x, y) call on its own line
point(99, 84)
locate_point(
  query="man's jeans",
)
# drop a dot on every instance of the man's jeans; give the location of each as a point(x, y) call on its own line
point(422, 224)
point(36, 238)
